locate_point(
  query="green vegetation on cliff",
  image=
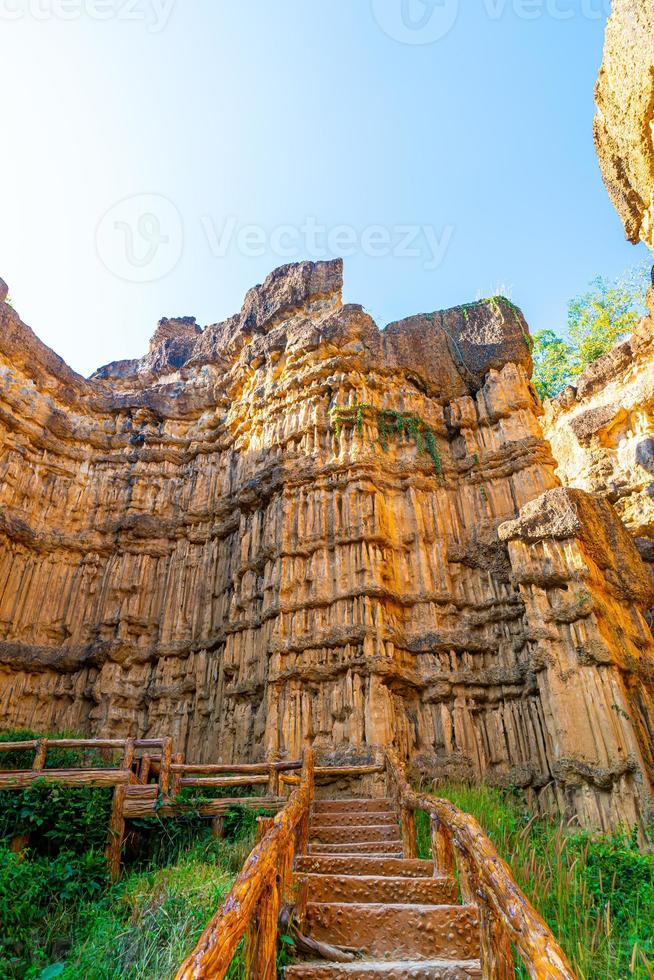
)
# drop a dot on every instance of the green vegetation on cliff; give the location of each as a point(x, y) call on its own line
point(595, 891)
point(597, 320)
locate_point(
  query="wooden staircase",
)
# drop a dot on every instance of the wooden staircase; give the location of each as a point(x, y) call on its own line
point(362, 892)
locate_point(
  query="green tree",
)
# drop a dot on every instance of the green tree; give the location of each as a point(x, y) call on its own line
point(554, 363)
point(597, 321)
point(606, 314)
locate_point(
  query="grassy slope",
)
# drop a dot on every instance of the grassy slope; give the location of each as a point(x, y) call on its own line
point(61, 917)
point(595, 892)
point(149, 922)
point(141, 927)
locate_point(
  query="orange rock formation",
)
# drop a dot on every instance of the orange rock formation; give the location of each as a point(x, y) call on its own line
point(624, 125)
point(293, 525)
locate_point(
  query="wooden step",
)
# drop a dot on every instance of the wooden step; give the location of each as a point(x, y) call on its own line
point(353, 806)
point(360, 818)
point(360, 847)
point(364, 865)
point(390, 969)
point(343, 835)
point(412, 932)
point(373, 889)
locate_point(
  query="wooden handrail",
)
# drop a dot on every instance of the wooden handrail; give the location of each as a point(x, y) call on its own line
point(506, 914)
point(254, 769)
point(83, 743)
point(252, 907)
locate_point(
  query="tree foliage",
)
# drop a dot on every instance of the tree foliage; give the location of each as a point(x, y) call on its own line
point(597, 320)
point(554, 363)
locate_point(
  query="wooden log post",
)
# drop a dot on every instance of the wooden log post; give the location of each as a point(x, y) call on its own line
point(467, 880)
point(260, 952)
point(302, 836)
point(496, 953)
point(218, 826)
point(273, 775)
point(441, 848)
point(19, 843)
point(408, 829)
point(39, 758)
point(286, 882)
point(164, 768)
point(116, 833)
point(176, 781)
point(302, 830)
point(144, 769)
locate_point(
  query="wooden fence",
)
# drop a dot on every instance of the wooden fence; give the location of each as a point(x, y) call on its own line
point(148, 780)
point(506, 916)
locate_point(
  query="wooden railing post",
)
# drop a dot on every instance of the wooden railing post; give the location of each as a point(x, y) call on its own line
point(117, 821)
point(260, 954)
point(408, 825)
point(496, 953)
point(441, 848)
point(467, 882)
point(302, 837)
point(273, 775)
point(164, 768)
point(144, 769)
point(39, 758)
point(218, 827)
point(176, 781)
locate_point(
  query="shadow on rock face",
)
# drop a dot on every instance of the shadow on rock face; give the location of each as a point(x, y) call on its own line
point(645, 454)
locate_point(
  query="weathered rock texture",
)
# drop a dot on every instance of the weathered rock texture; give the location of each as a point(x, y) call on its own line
point(231, 541)
point(602, 432)
point(624, 125)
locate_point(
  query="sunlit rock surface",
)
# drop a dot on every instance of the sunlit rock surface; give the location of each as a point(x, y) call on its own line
point(602, 432)
point(287, 525)
point(624, 125)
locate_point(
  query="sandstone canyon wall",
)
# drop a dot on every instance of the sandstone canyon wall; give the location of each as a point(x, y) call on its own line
point(624, 125)
point(293, 525)
point(602, 432)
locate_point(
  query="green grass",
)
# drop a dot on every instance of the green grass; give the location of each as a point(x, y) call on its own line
point(149, 922)
point(61, 917)
point(59, 914)
point(595, 891)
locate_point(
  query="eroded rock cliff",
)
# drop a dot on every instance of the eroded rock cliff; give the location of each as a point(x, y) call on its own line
point(602, 432)
point(624, 125)
point(287, 525)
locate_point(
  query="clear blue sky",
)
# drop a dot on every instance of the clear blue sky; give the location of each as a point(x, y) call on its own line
point(213, 115)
